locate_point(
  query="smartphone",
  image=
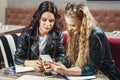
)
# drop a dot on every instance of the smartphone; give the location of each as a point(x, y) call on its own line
point(46, 58)
point(48, 74)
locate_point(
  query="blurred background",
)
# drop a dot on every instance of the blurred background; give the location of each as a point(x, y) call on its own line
point(60, 3)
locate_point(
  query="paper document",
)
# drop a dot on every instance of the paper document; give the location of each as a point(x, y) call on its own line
point(20, 68)
point(80, 77)
point(46, 58)
point(31, 77)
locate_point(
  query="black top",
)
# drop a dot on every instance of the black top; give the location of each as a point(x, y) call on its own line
point(28, 45)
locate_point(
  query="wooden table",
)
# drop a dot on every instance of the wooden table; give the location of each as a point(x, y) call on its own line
point(11, 76)
point(10, 29)
point(8, 75)
point(114, 34)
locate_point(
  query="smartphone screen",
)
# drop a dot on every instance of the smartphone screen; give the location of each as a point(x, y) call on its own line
point(46, 58)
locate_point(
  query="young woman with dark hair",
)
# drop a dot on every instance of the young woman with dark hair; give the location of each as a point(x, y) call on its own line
point(42, 36)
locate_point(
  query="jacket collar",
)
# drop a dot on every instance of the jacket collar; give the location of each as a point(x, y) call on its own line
point(35, 34)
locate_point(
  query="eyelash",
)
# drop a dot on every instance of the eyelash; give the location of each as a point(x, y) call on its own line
point(49, 20)
point(72, 25)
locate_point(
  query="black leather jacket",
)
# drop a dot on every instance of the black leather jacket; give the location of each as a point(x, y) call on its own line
point(100, 57)
point(28, 47)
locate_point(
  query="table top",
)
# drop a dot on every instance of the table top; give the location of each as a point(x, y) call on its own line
point(11, 76)
point(8, 28)
point(114, 34)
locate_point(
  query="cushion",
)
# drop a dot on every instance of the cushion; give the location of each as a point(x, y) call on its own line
point(8, 48)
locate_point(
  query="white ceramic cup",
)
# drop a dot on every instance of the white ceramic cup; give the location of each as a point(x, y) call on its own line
point(1, 25)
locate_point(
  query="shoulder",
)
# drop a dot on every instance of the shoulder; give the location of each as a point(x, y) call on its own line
point(30, 30)
point(98, 35)
point(57, 32)
point(97, 32)
point(27, 31)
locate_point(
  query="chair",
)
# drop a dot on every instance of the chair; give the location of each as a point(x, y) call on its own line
point(8, 45)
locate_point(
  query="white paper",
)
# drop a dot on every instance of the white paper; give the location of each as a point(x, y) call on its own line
point(46, 58)
point(20, 68)
point(80, 77)
point(32, 77)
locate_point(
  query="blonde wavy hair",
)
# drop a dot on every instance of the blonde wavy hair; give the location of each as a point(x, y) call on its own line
point(78, 45)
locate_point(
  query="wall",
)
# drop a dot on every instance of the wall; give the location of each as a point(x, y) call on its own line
point(104, 4)
point(59, 3)
point(35, 3)
point(3, 5)
point(62, 3)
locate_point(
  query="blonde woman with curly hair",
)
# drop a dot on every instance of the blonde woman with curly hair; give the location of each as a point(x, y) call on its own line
point(88, 49)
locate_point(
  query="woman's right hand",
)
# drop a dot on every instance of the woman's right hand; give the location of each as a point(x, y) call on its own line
point(59, 67)
point(37, 64)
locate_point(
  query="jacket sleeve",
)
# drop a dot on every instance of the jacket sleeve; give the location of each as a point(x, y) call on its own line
point(60, 47)
point(97, 52)
point(66, 62)
point(21, 51)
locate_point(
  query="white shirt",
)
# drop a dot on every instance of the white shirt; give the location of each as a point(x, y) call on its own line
point(42, 43)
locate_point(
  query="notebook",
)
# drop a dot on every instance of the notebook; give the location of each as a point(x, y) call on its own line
point(81, 77)
point(20, 68)
point(32, 77)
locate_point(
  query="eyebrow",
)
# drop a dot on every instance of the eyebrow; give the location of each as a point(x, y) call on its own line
point(46, 18)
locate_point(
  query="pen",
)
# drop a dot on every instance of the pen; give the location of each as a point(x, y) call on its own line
point(14, 69)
